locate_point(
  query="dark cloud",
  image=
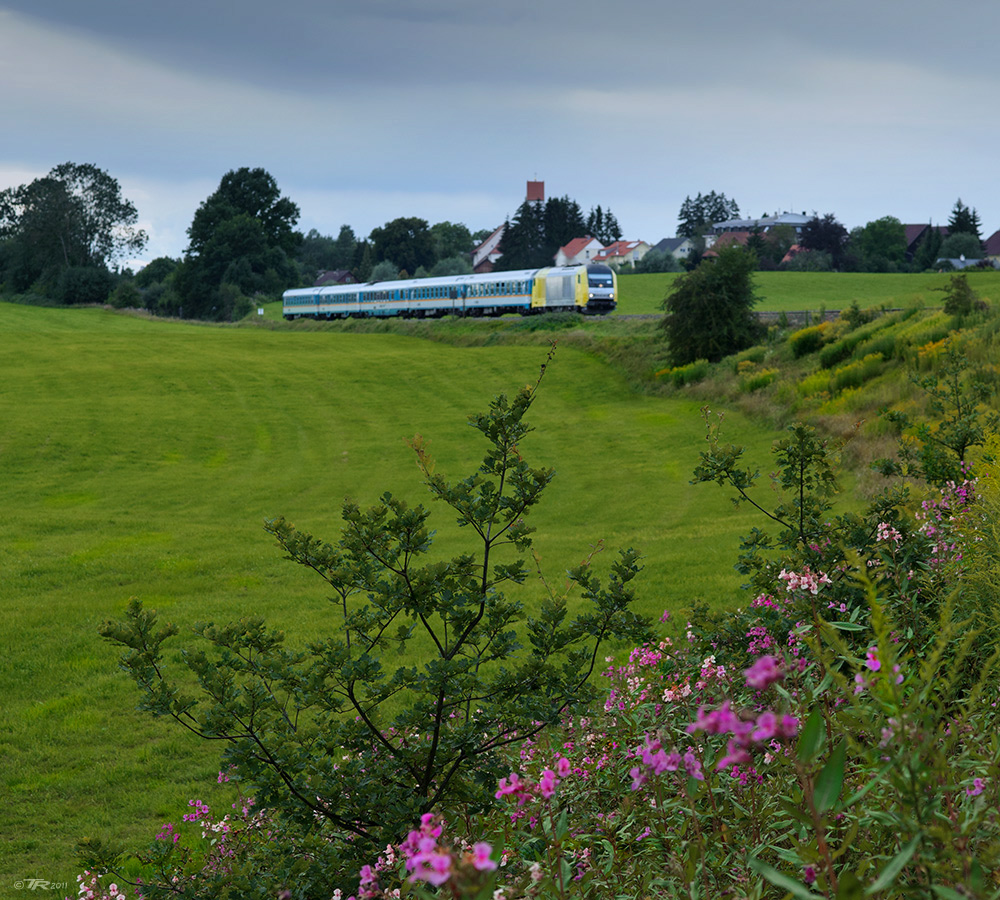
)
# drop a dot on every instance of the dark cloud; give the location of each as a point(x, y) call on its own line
point(305, 45)
point(778, 103)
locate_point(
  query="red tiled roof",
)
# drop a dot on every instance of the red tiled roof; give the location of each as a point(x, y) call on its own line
point(732, 237)
point(576, 245)
point(616, 248)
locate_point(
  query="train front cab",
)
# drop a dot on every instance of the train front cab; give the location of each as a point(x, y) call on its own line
point(601, 290)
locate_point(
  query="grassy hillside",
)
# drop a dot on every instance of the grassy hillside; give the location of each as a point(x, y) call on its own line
point(794, 291)
point(140, 458)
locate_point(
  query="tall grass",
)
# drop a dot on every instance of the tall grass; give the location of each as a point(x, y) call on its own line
point(140, 458)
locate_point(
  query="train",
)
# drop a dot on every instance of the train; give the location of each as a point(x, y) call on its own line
point(589, 289)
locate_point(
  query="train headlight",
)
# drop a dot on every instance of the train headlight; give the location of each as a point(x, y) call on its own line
point(591, 295)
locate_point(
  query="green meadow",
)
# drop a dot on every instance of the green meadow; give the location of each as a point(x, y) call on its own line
point(141, 457)
point(796, 291)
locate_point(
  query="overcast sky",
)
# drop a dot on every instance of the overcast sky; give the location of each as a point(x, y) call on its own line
point(372, 109)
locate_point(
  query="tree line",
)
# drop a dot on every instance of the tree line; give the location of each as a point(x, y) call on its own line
point(881, 245)
point(64, 238)
point(825, 244)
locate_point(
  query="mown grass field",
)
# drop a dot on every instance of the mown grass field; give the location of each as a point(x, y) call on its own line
point(140, 458)
point(795, 291)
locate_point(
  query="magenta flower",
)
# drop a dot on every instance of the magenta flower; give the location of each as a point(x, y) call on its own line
point(692, 765)
point(563, 767)
point(976, 789)
point(547, 783)
point(789, 726)
point(764, 672)
point(482, 857)
point(718, 721)
point(735, 756)
point(873, 661)
point(767, 727)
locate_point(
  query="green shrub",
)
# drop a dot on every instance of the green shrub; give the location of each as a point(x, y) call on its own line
point(883, 343)
point(692, 373)
point(856, 373)
point(843, 348)
point(808, 340)
point(85, 284)
point(814, 384)
point(756, 380)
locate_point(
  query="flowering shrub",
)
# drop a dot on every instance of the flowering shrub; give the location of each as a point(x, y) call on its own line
point(835, 739)
point(817, 769)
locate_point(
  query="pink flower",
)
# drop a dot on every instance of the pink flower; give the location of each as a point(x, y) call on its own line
point(563, 767)
point(692, 765)
point(547, 783)
point(789, 726)
point(481, 857)
point(735, 755)
point(873, 661)
point(976, 789)
point(718, 721)
point(764, 672)
point(767, 726)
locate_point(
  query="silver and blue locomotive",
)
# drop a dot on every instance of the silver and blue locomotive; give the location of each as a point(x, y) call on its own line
point(590, 289)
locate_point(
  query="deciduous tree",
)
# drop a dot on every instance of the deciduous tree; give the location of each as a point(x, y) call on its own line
point(963, 243)
point(450, 239)
point(710, 309)
point(408, 242)
point(73, 217)
point(827, 235)
point(880, 245)
point(242, 238)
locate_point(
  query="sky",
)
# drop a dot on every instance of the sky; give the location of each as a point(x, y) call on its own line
point(368, 110)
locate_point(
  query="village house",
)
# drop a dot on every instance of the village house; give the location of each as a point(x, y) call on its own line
point(622, 253)
point(577, 251)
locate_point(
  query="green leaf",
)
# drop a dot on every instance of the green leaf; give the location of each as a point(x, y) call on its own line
point(849, 888)
point(894, 867)
point(830, 781)
point(812, 737)
point(562, 826)
point(778, 879)
point(848, 626)
point(947, 892)
point(609, 862)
